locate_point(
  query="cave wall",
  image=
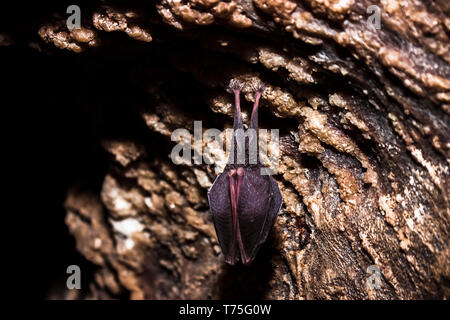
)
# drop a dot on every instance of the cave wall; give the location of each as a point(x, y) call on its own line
point(364, 125)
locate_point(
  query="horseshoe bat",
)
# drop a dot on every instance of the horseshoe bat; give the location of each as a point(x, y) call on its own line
point(244, 203)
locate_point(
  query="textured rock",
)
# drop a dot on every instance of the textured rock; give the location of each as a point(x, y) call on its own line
point(364, 147)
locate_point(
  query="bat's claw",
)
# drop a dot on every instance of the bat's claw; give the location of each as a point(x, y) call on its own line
point(260, 87)
point(235, 84)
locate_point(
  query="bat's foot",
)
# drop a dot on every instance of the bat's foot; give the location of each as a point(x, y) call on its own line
point(235, 85)
point(260, 87)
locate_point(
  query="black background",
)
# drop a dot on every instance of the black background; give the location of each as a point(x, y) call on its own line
point(48, 144)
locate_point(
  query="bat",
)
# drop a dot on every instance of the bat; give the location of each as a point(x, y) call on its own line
point(244, 203)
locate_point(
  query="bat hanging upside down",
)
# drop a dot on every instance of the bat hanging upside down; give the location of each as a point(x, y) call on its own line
point(244, 203)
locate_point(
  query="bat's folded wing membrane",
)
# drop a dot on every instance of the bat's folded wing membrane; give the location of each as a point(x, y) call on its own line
point(254, 216)
point(219, 200)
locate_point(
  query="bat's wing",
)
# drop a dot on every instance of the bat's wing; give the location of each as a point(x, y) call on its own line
point(222, 214)
point(258, 205)
point(275, 206)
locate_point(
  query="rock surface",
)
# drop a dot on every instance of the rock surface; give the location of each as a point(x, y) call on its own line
point(364, 127)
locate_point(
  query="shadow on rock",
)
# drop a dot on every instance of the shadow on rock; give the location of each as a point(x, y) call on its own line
point(250, 282)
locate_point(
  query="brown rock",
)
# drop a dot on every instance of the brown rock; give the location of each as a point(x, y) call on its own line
point(364, 147)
